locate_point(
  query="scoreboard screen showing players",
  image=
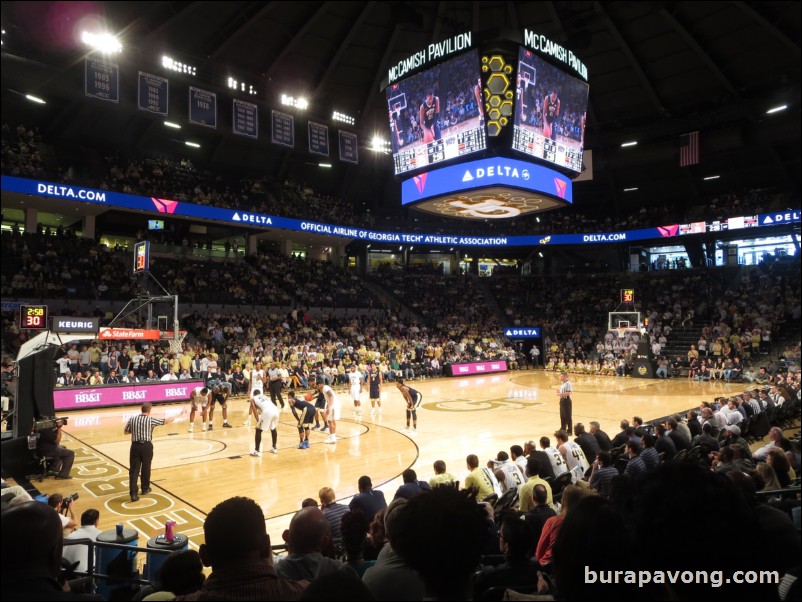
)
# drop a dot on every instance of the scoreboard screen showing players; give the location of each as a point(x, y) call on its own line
point(435, 115)
point(550, 112)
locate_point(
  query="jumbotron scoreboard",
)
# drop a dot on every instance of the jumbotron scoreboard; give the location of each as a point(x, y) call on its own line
point(488, 129)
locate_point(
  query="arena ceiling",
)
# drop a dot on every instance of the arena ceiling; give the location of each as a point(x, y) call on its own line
point(656, 70)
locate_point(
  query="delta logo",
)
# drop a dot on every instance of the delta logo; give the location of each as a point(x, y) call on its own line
point(164, 205)
point(561, 185)
point(420, 182)
point(666, 231)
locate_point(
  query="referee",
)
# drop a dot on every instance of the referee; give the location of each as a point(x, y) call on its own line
point(141, 430)
point(565, 403)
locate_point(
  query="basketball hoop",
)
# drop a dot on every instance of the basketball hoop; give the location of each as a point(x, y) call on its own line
point(176, 345)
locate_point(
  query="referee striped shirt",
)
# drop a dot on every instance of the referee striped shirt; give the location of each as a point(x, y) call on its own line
point(566, 387)
point(141, 427)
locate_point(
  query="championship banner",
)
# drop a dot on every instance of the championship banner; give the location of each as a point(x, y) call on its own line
point(245, 119)
point(101, 80)
point(153, 93)
point(318, 139)
point(122, 334)
point(348, 147)
point(283, 128)
point(202, 107)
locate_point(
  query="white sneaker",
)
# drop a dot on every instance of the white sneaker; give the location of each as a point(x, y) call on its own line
point(256, 453)
point(191, 428)
point(274, 451)
point(203, 428)
point(380, 411)
point(331, 439)
point(248, 421)
point(372, 411)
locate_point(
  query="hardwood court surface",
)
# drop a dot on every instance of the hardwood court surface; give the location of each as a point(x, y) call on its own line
point(459, 416)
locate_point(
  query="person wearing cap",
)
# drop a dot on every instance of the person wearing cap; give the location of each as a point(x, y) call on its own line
point(734, 438)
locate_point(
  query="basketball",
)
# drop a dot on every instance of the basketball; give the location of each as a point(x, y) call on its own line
point(309, 396)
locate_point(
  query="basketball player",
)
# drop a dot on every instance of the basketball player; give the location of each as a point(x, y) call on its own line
point(375, 381)
point(574, 456)
point(202, 397)
point(506, 471)
point(477, 92)
point(268, 414)
point(556, 459)
point(333, 410)
point(257, 381)
point(413, 399)
point(429, 115)
point(395, 130)
point(551, 110)
point(219, 395)
point(355, 389)
point(582, 121)
point(304, 413)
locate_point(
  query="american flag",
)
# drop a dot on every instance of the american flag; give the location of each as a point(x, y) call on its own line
point(689, 149)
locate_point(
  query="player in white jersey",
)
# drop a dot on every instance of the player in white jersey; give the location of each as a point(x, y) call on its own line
point(268, 414)
point(257, 381)
point(574, 456)
point(355, 383)
point(506, 471)
point(558, 464)
point(333, 410)
point(200, 397)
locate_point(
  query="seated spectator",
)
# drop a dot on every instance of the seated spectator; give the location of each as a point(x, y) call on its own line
point(649, 454)
point(367, 500)
point(706, 441)
point(538, 514)
point(601, 437)
point(308, 536)
point(12, 495)
point(64, 510)
point(412, 486)
point(376, 537)
point(355, 527)
point(525, 492)
point(181, 574)
point(602, 474)
point(777, 459)
point(88, 530)
point(514, 541)
point(332, 511)
point(438, 525)
point(587, 442)
point(34, 533)
point(545, 546)
point(237, 547)
point(441, 477)
point(49, 446)
point(391, 578)
point(481, 480)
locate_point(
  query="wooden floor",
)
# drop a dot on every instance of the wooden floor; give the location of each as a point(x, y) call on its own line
point(459, 416)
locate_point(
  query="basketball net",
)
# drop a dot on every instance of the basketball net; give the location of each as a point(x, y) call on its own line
point(176, 345)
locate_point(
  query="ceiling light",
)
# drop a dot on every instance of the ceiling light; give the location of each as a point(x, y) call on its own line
point(630, 189)
point(327, 165)
point(776, 109)
point(712, 178)
point(170, 124)
point(102, 42)
point(35, 99)
point(630, 143)
point(192, 144)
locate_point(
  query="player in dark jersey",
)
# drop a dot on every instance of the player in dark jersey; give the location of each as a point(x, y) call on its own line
point(396, 134)
point(320, 406)
point(551, 110)
point(477, 92)
point(219, 396)
point(413, 399)
point(375, 385)
point(305, 413)
point(429, 116)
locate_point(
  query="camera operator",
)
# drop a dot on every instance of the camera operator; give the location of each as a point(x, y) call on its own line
point(48, 446)
point(64, 509)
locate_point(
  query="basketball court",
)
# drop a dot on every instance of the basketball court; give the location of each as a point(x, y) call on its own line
point(459, 416)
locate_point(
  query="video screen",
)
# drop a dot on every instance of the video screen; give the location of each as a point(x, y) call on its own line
point(155, 224)
point(437, 115)
point(550, 112)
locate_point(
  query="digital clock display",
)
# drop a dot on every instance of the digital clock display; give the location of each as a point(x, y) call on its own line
point(33, 316)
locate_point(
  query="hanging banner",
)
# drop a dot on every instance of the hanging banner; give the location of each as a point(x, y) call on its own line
point(283, 129)
point(152, 93)
point(348, 147)
point(202, 107)
point(101, 80)
point(318, 139)
point(245, 118)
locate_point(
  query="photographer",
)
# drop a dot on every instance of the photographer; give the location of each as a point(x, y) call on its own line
point(48, 446)
point(64, 509)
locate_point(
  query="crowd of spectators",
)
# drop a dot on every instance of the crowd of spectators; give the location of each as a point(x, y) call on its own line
point(180, 179)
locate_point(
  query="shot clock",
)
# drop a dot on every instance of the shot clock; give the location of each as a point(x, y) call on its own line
point(33, 317)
